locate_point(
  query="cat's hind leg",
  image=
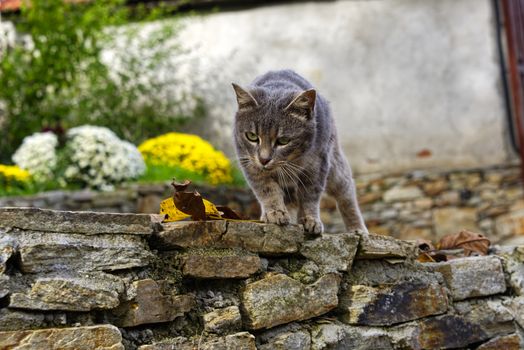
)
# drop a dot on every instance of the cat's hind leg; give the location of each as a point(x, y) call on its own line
point(341, 186)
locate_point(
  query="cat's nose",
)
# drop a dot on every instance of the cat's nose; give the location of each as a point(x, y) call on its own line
point(264, 161)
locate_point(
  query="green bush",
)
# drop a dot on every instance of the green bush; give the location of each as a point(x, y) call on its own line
point(60, 80)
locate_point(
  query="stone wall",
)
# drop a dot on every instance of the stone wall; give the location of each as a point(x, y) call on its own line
point(134, 198)
point(419, 204)
point(430, 204)
point(86, 280)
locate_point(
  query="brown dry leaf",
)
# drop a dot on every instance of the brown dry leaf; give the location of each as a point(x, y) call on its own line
point(180, 187)
point(190, 203)
point(228, 213)
point(471, 242)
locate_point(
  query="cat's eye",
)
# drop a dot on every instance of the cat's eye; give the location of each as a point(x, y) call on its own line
point(281, 141)
point(252, 136)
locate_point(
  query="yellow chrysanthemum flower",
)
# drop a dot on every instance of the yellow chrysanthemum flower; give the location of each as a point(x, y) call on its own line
point(11, 175)
point(189, 152)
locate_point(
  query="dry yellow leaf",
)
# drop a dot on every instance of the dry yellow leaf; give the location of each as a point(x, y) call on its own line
point(172, 213)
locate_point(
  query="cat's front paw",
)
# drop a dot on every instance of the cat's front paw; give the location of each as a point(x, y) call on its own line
point(312, 224)
point(279, 217)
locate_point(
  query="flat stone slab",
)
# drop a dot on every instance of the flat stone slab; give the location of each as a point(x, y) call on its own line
point(475, 321)
point(103, 337)
point(399, 194)
point(473, 276)
point(505, 342)
point(336, 335)
point(513, 263)
point(290, 336)
point(84, 222)
point(237, 341)
point(15, 320)
point(444, 332)
point(150, 305)
point(441, 332)
point(188, 234)
point(4, 285)
point(333, 251)
point(219, 263)
point(390, 304)
point(383, 247)
point(490, 314)
point(223, 320)
point(279, 299)
point(47, 252)
point(266, 239)
point(85, 293)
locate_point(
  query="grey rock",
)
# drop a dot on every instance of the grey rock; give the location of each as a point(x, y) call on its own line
point(491, 315)
point(379, 247)
point(441, 332)
point(45, 252)
point(72, 293)
point(103, 337)
point(266, 239)
point(15, 320)
point(506, 342)
point(332, 251)
point(300, 340)
point(150, 305)
point(4, 285)
point(237, 341)
point(473, 276)
point(380, 272)
point(287, 337)
point(278, 299)
point(385, 305)
point(516, 308)
point(223, 320)
point(219, 263)
point(88, 223)
point(513, 261)
point(475, 321)
point(188, 234)
point(240, 341)
point(398, 194)
point(337, 336)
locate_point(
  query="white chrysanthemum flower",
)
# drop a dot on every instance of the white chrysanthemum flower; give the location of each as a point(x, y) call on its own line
point(100, 159)
point(37, 155)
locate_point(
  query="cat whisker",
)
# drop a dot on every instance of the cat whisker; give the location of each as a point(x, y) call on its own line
point(302, 171)
point(282, 181)
point(292, 177)
point(294, 173)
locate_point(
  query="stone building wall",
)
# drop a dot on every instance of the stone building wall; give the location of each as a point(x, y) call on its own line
point(430, 204)
point(420, 204)
point(86, 280)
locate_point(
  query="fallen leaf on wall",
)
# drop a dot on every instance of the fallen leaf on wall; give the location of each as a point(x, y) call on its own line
point(457, 245)
point(184, 205)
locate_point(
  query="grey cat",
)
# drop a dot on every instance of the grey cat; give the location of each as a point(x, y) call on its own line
point(287, 146)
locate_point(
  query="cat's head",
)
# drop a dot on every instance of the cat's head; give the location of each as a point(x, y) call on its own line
point(273, 127)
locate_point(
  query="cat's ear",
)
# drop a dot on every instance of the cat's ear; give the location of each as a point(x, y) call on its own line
point(244, 98)
point(304, 101)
